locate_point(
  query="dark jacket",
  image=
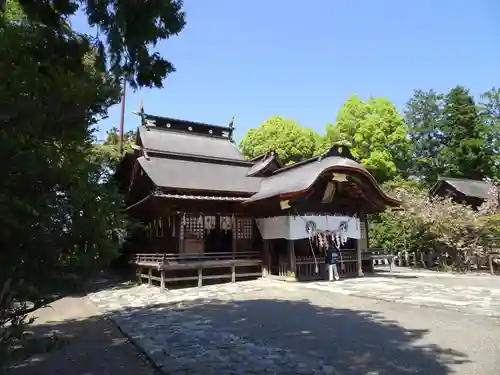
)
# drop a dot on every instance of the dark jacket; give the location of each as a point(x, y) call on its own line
point(332, 255)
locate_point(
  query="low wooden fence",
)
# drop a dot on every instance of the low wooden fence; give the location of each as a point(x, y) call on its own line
point(168, 268)
point(306, 267)
point(490, 262)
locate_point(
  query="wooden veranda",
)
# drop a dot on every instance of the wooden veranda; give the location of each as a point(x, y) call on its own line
point(162, 268)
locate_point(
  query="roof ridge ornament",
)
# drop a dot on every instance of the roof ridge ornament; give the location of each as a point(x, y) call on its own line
point(231, 129)
point(341, 149)
point(147, 122)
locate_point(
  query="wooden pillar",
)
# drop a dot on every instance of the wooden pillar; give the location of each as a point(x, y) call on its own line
point(162, 280)
point(200, 277)
point(235, 235)
point(233, 273)
point(291, 257)
point(266, 258)
point(150, 274)
point(162, 272)
point(271, 254)
point(361, 244)
point(218, 232)
point(180, 233)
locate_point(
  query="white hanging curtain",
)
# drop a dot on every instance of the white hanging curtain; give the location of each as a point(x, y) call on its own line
point(295, 227)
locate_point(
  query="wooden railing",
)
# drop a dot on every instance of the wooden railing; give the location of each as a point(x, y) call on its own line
point(382, 254)
point(166, 259)
point(165, 268)
point(306, 267)
point(489, 261)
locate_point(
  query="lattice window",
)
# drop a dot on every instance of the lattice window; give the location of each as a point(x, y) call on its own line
point(193, 226)
point(209, 223)
point(244, 228)
point(226, 223)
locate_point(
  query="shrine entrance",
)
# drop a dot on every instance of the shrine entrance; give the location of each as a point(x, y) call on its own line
point(295, 251)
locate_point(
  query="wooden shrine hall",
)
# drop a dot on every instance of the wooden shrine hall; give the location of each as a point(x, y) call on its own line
point(209, 213)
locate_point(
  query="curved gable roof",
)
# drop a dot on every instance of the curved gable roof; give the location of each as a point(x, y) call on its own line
point(300, 177)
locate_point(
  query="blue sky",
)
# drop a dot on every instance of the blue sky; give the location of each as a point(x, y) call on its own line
point(302, 59)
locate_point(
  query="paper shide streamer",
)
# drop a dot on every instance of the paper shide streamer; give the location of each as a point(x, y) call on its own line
point(324, 238)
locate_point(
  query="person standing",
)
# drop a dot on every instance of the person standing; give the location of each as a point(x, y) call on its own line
point(332, 257)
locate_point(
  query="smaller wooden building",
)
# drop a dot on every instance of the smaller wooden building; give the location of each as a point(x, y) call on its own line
point(209, 213)
point(461, 190)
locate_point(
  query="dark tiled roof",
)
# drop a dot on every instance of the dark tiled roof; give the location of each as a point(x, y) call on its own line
point(301, 176)
point(264, 166)
point(188, 143)
point(201, 197)
point(470, 188)
point(163, 121)
point(198, 175)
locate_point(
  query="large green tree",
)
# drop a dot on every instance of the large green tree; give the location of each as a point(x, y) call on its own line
point(465, 151)
point(490, 115)
point(376, 132)
point(423, 115)
point(285, 136)
point(58, 221)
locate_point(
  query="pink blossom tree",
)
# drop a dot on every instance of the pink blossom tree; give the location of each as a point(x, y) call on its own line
point(440, 227)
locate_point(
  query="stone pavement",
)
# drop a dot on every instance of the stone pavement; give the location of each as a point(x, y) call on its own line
point(464, 293)
point(183, 343)
point(274, 327)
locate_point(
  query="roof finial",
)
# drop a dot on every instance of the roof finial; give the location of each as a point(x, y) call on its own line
point(341, 149)
point(141, 112)
point(231, 128)
point(141, 109)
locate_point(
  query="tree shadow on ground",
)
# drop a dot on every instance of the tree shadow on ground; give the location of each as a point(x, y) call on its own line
point(90, 346)
point(103, 280)
point(382, 274)
point(211, 336)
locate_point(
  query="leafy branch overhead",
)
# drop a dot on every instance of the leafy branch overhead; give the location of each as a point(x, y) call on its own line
point(57, 213)
point(127, 31)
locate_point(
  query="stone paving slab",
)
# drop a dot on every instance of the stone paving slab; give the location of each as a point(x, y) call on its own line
point(143, 295)
point(268, 326)
point(458, 296)
point(181, 343)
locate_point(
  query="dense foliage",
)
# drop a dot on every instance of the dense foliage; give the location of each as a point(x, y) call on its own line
point(126, 32)
point(437, 135)
point(450, 136)
point(59, 221)
point(107, 152)
point(447, 232)
point(376, 132)
point(291, 141)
